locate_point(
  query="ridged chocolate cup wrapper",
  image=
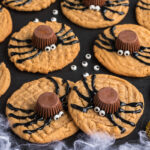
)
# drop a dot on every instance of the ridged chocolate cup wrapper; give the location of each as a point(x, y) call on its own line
point(127, 40)
point(100, 3)
point(48, 105)
point(107, 99)
point(43, 36)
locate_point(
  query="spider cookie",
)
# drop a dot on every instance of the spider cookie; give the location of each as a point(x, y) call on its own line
point(143, 13)
point(28, 5)
point(124, 50)
point(38, 111)
point(104, 103)
point(43, 47)
point(5, 78)
point(95, 13)
point(5, 23)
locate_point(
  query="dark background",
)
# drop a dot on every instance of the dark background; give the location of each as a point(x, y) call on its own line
point(87, 38)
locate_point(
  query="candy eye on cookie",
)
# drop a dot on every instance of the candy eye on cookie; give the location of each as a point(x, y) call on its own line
point(127, 43)
point(99, 111)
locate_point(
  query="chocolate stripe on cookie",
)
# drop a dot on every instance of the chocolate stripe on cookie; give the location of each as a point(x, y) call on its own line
point(109, 116)
point(16, 1)
point(18, 40)
point(55, 84)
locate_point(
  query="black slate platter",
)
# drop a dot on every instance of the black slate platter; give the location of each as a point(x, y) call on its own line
point(87, 38)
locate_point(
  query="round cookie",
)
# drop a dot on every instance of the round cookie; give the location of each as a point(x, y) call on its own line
point(24, 120)
point(137, 64)
point(5, 78)
point(143, 13)
point(90, 118)
point(111, 13)
point(5, 23)
point(26, 57)
point(28, 5)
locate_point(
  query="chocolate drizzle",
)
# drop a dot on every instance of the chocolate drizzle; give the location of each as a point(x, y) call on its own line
point(103, 42)
point(63, 38)
point(34, 118)
point(78, 5)
point(110, 117)
point(17, 1)
point(144, 3)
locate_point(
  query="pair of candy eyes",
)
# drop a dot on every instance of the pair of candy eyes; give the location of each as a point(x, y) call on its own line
point(50, 48)
point(125, 53)
point(93, 7)
point(99, 111)
point(57, 116)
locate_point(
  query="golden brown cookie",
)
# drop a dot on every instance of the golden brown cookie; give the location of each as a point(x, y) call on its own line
point(90, 118)
point(143, 13)
point(5, 78)
point(5, 23)
point(26, 57)
point(95, 16)
point(28, 5)
point(27, 124)
point(135, 64)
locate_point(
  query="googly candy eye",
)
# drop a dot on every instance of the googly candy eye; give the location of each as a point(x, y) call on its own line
point(84, 63)
point(53, 19)
point(47, 48)
point(127, 53)
point(102, 113)
point(55, 12)
point(56, 117)
point(36, 20)
point(53, 47)
point(73, 67)
point(92, 7)
point(96, 67)
point(120, 52)
point(97, 8)
point(61, 113)
point(86, 74)
point(96, 109)
point(88, 56)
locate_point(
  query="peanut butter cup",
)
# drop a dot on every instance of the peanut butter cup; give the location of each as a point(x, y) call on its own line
point(94, 2)
point(43, 36)
point(48, 105)
point(127, 40)
point(107, 99)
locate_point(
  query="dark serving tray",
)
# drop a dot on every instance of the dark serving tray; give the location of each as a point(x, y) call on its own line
point(87, 38)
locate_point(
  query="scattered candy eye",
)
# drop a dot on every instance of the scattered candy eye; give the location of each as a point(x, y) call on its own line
point(48, 48)
point(92, 7)
point(56, 117)
point(61, 113)
point(96, 67)
point(84, 63)
point(53, 19)
point(36, 20)
point(102, 113)
point(53, 47)
point(97, 8)
point(97, 109)
point(120, 52)
point(55, 12)
point(88, 56)
point(86, 74)
point(126, 53)
point(73, 67)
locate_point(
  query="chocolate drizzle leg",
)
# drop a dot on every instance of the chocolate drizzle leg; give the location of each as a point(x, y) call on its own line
point(109, 116)
point(34, 118)
point(21, 2)
point(143, 7)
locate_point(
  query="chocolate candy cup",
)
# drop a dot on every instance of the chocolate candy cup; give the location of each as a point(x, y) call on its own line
point(127, 40)
point(48, 105)
point(94, 2)
point(43, 36)
point(107, 99)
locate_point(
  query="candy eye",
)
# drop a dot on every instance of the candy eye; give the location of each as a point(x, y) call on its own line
point(92, 7)
point(120, 52)
point(53, 47)
point(48, 48)
point(84, 63)
point(73, 67)
point(102, 113)
point(126, 53)
point(96, 67)
point(88, 56)
point(97, 8)
point(56, 117)
point(61, 113)
point(97, 109)
point(86, 74)
point(55, 12)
